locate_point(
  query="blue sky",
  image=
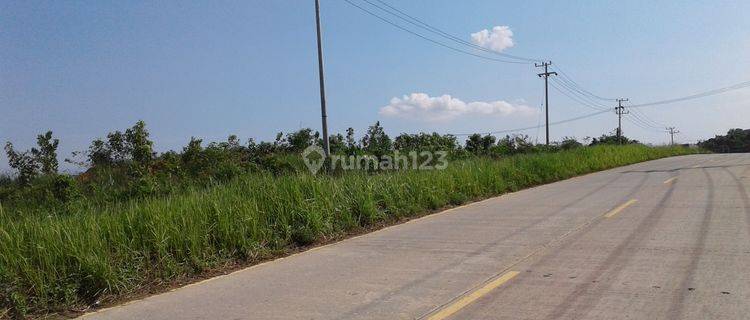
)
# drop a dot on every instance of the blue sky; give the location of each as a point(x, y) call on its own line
point(249, 68)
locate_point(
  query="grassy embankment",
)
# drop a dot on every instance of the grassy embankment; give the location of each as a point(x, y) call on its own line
point(53, 263)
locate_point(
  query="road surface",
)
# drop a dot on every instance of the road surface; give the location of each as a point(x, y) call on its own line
point(665, 239)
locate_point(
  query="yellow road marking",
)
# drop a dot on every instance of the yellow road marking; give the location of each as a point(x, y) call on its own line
point(617, 210)
point(465, 301)
point(670, 180)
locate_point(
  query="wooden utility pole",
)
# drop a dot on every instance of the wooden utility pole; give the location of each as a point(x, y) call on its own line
point(546, 75)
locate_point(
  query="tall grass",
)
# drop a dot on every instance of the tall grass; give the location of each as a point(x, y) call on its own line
point(56, 262)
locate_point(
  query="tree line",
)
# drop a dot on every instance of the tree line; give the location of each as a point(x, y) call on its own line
point(736, 140)
point(125, 165)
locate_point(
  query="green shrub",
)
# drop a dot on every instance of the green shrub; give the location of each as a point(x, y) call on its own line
point(736, 140)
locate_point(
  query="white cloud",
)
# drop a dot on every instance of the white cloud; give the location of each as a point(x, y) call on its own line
point(420, 106)
point(499, 39)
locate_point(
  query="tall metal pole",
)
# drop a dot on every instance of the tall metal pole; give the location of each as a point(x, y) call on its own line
point(323, 114)
point(546, 75)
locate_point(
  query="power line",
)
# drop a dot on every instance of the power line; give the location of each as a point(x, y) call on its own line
point(639, 119)
point(429, 39)
point(570, 93)
point(638, 124)
point(565, 84)
point(641, 125)
point(568, 81)
point(737, 86)
point(535, 127)
point(647, 119)
point(426, 26)
point(578, 93)
point(587, 98)
point(575, 99)
point(571, 84)
point(643, 120)
point(568, 78)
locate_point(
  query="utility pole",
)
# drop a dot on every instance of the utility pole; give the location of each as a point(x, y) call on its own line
point(620, 110)
point(546, 75)
point(324, 116)
point(672, 131)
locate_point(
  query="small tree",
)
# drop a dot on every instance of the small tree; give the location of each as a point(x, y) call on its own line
point(568, 143)
point(301, 139)
point(506, 146)
point(336, 143)
point(736, 140)
point(233, 143)
point(121, 148)
point(192, 152)
point(425, 142)
point(140, 147)
point(117, 147)
point(23, 162)
point(279, 142)
point(523, 143)
point(99, 153)
point(46, 155)
point(479, 144)
point(351, 142)
point(613, 138)
point(28, 163)
point(375, 141)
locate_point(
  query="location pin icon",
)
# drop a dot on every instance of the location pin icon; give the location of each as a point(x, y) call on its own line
point(313, 157)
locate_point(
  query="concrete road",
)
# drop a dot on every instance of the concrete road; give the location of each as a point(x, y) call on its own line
point(665, 239)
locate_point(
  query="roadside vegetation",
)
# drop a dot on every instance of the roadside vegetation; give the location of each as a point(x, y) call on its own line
point(736, 140)
point(135, 219)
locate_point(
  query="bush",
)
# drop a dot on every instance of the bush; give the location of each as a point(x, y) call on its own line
point(480, 145)
point(63, 188)
point(570, 143)
point(46, 155)
point(24, 163)
point(123, 166)
point(516, 144)
point(425, 142)
point(376, 142)
point(736, 140)
point(612, 138)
